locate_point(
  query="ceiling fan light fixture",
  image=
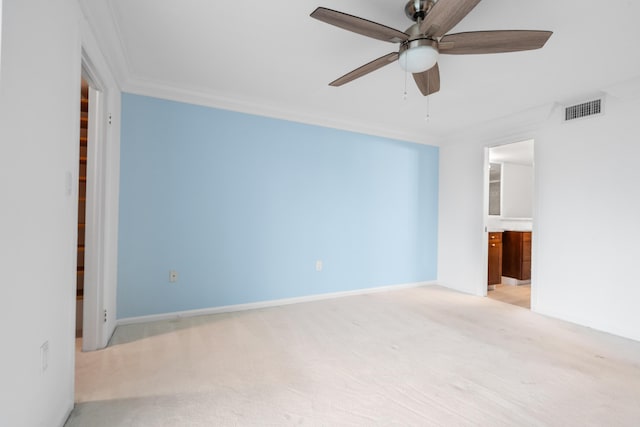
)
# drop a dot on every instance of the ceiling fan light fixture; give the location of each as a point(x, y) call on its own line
point(418, 56)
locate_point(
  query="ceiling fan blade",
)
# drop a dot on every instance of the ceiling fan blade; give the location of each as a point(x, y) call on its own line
point(366, 69)
point(428, 81)
point(359, 25)
point(444, 15)
point(478, 42)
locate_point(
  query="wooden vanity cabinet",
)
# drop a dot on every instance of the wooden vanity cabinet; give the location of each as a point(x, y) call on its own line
point(495, 259)
point(516, 254)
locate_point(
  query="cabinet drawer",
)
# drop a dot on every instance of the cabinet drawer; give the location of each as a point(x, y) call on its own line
point(495, 262)
point(495, 237)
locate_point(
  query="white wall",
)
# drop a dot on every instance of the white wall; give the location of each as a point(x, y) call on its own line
point(586, 205)
point(517, 191)
point(587, 222)
point(39, 130)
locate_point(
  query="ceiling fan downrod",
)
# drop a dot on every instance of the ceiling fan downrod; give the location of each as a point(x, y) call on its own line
point(418, 9)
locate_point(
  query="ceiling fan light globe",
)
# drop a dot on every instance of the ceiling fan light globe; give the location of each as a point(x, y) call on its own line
point(418, 59)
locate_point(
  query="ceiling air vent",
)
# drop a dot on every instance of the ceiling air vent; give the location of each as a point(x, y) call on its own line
point(585, 109)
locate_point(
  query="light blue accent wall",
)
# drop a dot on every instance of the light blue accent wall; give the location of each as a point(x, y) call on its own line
point(242, 206)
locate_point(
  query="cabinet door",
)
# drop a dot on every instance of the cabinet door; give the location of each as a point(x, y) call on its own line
point(526, 256)
point(516, 259)
point(512, 259)
point(495, 259)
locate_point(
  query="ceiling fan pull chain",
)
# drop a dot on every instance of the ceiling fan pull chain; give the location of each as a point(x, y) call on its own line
point(428, 117)
point(406, 73)
point(405, 86)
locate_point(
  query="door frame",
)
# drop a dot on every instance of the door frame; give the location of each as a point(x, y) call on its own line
point(483, 291)
point(93, 300)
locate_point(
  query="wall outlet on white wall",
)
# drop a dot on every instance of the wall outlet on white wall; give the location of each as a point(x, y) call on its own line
point(173, 276)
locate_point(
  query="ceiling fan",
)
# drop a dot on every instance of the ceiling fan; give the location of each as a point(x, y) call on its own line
point(423, 41)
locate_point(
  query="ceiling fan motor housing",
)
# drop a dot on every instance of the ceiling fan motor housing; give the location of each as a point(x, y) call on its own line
point(414, 43)
point(418, 9)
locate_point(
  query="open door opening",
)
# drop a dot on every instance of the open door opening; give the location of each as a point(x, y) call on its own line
point(82, 202)
point(89, 286)
point(509, 221)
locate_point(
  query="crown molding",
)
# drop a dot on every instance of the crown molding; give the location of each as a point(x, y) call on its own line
point(514, 127)
point(201, 97)
point(626, 90)
point(107, 35)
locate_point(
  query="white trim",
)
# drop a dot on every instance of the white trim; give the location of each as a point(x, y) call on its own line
point(627, 90)
point(102, 75)
point(517, 127)
point(266, 304)
point(94, 224)
point(483, 288)
point(104, 38)
point(586, 322)
point(205, 98)
point(66, 415)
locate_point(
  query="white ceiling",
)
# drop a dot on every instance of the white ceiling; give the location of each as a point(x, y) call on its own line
point(271, 58)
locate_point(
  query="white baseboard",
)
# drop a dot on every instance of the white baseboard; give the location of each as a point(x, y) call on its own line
point(265, 304)
point(67, 414)
point(511, 281)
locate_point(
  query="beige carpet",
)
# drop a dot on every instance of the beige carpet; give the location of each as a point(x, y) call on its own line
point(417, 357)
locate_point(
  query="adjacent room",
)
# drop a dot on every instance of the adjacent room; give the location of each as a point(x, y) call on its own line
point(509, 194)
point(319, 213)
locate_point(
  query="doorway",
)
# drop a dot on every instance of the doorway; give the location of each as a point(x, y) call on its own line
point(509, 221)
point(82, 203)
point(89, 286)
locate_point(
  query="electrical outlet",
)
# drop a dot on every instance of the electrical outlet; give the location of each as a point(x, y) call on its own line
point(173, 276)
point(44, 356)
point(319, 265)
